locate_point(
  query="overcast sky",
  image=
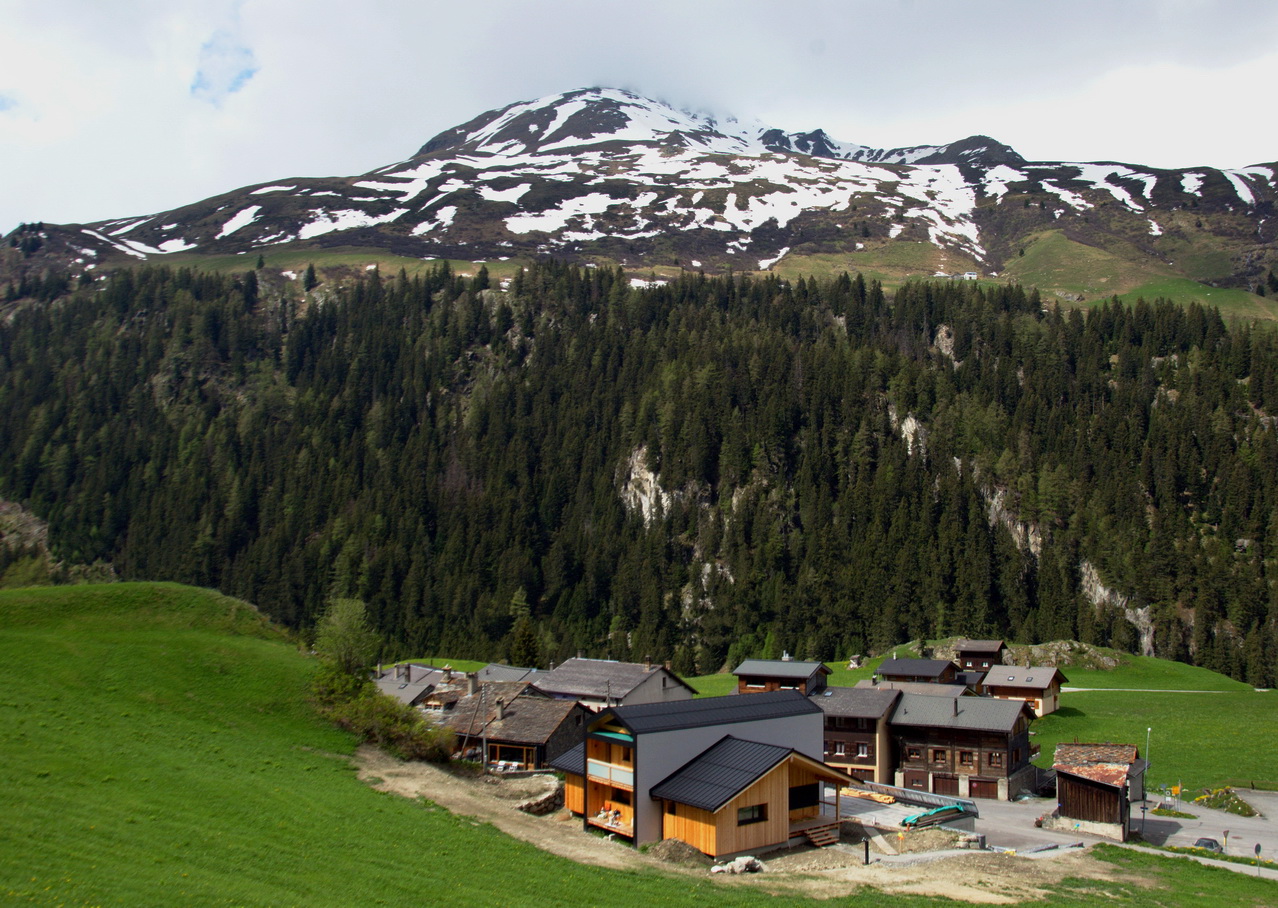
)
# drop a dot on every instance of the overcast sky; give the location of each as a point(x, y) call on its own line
point(111, 108)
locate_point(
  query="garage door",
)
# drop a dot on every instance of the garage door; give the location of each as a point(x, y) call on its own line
point(945, 785)
point(983, 788)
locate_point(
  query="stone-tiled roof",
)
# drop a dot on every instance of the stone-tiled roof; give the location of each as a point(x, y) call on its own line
point(973, 713)
point(780, 668)
point(916, 668)
point(923, 688)
point(979, 646)
point(598, 679)
point(1027, 677)
point(525, 719)
point(856, 702)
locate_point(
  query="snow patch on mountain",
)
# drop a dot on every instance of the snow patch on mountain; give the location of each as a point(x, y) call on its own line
point(513, 194)
point(348, 219)
point(239, 220)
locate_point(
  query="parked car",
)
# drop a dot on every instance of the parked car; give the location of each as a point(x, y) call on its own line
point(1209, 845)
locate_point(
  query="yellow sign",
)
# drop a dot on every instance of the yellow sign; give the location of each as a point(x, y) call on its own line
point(1176, 790)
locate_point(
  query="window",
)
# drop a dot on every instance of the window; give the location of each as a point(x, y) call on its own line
point(913, 753)
point(996, 759)
point(839, 749)
point(755, 683)
point(965, 757)
point(756, 813)
point(863, 751)
point(672, 808)
point(938, 754)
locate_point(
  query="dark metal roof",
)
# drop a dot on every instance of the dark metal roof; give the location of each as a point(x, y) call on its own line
point(855, 702)
point(599, 678)
point(1027, 677)
point(572, 760)
point(780, 668)
point(720, 773)
point(969, 679)
point(974, 713)
point(650, 717)
point(979, 646)
point(916, 668)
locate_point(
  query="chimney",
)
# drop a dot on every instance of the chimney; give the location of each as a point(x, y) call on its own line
point(668, 668)
point(786, 657)
point(956, 706)
point(448, 673)
point(408, 672)
point(399, 671)
point(501, 709)
point(647, 663)
point(472, 683)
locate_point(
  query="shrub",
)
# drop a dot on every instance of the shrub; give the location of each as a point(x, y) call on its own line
point(355, 704)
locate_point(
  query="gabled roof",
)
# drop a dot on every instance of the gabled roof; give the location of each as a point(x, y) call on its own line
point(525, 719)
point(855, 702)
point(781, 668)
point(572, 760)
point(720, 773)
point(1031, 677)
point(668, 716)
point(969, 678)
point(408, 683)
point(599, 678)
point(497, 672)
point(992, 647)
point(916, 668)
point(1108, 764)
point(923, 688)
point(971, 713)
point(1095, 753)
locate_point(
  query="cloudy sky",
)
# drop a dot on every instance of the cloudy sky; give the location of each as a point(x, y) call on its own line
point(111, 108)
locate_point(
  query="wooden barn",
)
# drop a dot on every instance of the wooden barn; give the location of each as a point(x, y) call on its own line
point(1094, 788)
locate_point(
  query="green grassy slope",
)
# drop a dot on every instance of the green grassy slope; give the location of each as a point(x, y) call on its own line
point(151, 757)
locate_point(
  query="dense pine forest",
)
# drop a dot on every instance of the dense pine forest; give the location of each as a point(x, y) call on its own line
point(698, 471)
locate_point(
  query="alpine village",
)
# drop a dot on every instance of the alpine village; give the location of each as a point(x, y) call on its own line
point(611, 504)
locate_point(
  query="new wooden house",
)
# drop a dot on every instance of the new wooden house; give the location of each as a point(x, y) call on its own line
point(857, 735)
point(758, 675)
point(1095, 785)
point(965, 746)
point(612, 776)
point(1037, 685)
point(601, 683)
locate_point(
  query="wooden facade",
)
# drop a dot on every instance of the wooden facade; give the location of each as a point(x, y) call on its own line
point(609, 800)
point(860, 747)
point(759, 818)
point(574, 793)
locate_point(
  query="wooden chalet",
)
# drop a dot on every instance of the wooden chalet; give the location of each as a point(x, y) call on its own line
point(925, 671)
point(601, 683)
point(524, 733)
point(1095, 785)
point(963, 746)
point(704, 770)
point(979, 655)
point(758, 675)
point(858, 739)
point(1037, 685)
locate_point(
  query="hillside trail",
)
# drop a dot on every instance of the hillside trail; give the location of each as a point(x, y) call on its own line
point(979, 877)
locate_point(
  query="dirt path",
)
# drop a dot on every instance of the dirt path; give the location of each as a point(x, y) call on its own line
point(822, 873)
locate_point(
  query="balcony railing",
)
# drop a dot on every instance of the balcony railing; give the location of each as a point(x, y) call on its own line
point(606, 772)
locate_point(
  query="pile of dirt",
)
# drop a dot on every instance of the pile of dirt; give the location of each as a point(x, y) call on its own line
point(677, 851)
point(921, 840)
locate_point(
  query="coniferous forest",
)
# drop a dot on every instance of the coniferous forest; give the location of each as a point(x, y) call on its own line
point(699, 471)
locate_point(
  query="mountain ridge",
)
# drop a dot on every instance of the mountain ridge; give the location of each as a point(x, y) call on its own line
point(603, 174)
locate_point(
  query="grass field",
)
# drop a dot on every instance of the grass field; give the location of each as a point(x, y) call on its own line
point(159, 750)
